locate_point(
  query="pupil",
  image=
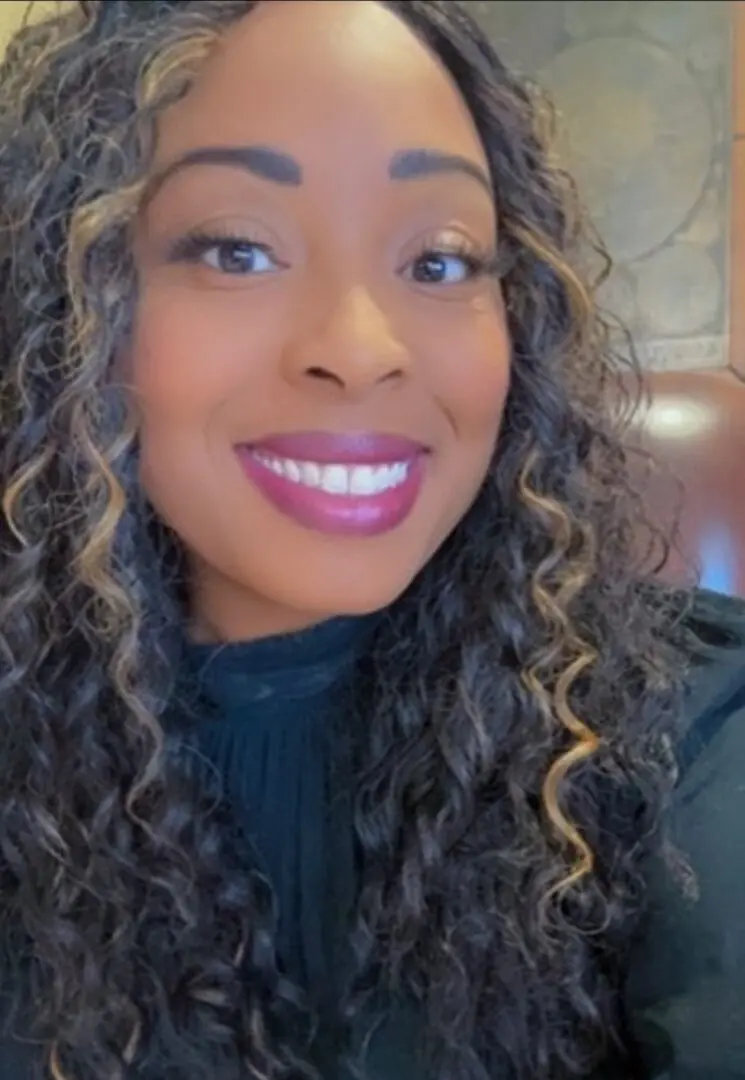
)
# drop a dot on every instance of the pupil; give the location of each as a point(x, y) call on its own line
point(237, 257)
point(431, 269)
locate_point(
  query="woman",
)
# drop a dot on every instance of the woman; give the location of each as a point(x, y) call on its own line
point(337, 728)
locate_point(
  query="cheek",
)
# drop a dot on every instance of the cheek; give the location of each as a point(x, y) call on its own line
point(190, 358)
point(471, 376)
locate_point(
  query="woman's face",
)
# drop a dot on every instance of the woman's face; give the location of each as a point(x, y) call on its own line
point(319, 360)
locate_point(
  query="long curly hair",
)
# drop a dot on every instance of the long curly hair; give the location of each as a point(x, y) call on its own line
point(521, 697)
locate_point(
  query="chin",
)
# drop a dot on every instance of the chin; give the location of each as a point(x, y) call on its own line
point(362, 595)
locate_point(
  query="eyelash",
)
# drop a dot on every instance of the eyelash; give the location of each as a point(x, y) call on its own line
point(478, 263)
point(192, 247)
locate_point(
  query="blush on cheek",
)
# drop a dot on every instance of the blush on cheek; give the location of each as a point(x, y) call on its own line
point(477, 386)
point(178, 364)
point(195, 350)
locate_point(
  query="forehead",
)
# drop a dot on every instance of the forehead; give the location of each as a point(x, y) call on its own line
point(343, 77)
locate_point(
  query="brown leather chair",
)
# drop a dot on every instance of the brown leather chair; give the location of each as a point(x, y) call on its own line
point(694, 427)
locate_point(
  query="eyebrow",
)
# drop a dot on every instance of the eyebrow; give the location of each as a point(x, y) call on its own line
point(280, 168)
point(262, 161)
point(419, 164)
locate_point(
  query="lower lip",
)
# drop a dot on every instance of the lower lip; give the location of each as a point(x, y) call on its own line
point(336, 515)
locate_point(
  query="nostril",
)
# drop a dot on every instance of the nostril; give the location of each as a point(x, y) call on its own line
point(322, 373)
point(395, 373)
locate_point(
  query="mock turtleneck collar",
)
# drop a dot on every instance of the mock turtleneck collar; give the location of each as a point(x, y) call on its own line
point(293, 666)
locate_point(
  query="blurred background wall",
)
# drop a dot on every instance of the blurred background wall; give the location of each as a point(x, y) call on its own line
point(648, 119)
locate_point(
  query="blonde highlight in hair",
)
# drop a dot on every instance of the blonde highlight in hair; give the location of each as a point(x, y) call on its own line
point(555, 585)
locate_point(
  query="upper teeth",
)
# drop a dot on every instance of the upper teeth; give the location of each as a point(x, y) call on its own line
point(339, 479)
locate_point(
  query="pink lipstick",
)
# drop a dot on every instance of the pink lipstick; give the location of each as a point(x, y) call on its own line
point(360, 484)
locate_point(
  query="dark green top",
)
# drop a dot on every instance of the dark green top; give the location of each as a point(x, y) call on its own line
point(269, 726)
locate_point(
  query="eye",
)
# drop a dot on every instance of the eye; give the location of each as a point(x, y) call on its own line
point(444, 268)
point(238, 257)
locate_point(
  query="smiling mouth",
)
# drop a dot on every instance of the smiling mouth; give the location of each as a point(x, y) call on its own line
point(338, 498)
point(338, 479)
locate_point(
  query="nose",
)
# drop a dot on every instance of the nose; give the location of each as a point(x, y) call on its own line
point(352, 349)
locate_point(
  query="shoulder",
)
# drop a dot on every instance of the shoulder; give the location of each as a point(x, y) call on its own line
point(713, 627)
point(713, 651)
point(708, 804)
point(685, 985)
point(713, 630)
